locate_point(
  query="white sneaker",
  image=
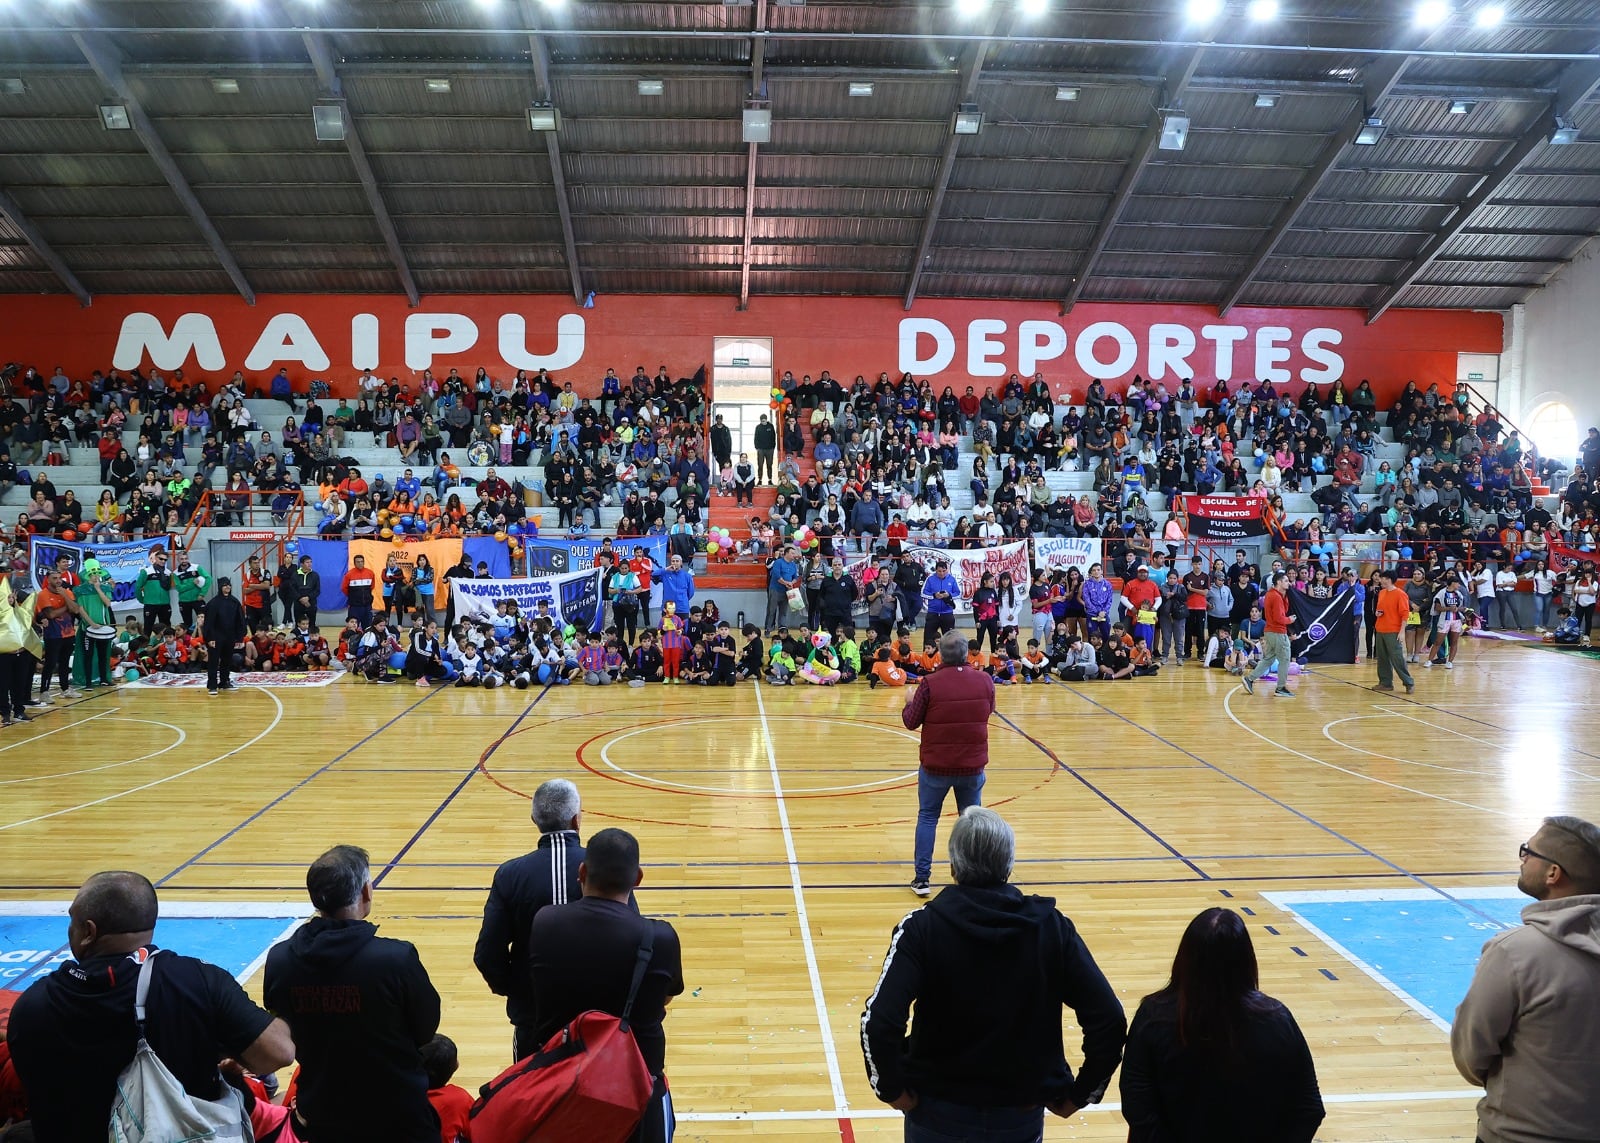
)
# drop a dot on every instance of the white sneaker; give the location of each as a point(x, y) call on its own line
point(1449, 666)
point(1427, 662)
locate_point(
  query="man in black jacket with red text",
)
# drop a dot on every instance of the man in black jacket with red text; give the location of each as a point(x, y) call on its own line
point(988, 970)
point(360, 1007)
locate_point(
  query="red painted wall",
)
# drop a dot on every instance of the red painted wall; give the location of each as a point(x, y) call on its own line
point(331, 336)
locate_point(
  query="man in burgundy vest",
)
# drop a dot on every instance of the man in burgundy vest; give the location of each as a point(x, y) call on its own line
point(952, 707)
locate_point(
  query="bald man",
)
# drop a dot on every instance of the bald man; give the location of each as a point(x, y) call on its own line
point(72, 1033)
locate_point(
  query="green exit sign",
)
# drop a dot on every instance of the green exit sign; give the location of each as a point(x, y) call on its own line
point(741, 362)
point(1474, 376)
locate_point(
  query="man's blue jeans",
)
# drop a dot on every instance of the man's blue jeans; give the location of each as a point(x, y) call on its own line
point(931, 791)
point(936, 1121)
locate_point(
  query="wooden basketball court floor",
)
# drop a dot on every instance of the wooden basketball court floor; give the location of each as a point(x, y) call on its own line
point(776, 831)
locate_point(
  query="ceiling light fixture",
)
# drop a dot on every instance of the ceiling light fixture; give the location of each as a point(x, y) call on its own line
point(543, 116)
point(436, 85)
point(1267, 99)
point(1565, 134)
point(114, 117)
point(223, 86)
point(327, 118)
point(652, 87)
point(1204, 11)
point(1066, 94)
point(1462, 106)
point(972, 7)
point(13, 87)
point(968, 120)
point(1432, 13)
point(1372, 132)
point(1263, 10)
point(757, 125)
point(1174, 130)
point(1490, 16)
point(1035, 7)
point(861, 90)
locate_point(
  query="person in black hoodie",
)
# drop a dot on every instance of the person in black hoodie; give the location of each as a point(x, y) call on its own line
point(360, 1007)
point(72, 1033)
point(988, 970)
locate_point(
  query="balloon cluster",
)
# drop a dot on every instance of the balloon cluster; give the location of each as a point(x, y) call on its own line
point(511, 536)
point(780, 400)
point(718, 540)
point(397, 525)
point(806, 539)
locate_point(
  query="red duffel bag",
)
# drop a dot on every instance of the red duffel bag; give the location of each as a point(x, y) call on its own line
point(588, 1084)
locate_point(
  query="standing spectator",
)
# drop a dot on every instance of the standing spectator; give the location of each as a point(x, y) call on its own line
point(257, 595)
point(153, 590)
point(305, 587)
point(1275, 652)
point(783, 576)
point(224, 630)
point(766, 442)
point(1389, 619)
point(940, 592)
point(360, 1007)
point(72, 1033)
point(57, 609)
point(1212, 1057)
point(988, 970)
point(721, 443)
point(358, 586)
point(951, 706)
point(677, 585)
point(521, 887)
point(1527, 1030)
point(583, 957)
point(191, 581)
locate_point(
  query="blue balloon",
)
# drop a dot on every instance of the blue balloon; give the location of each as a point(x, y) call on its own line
point(408, 521)
point(398, 660)
point(514, 529)
point(1405, 553)
point(292, 548)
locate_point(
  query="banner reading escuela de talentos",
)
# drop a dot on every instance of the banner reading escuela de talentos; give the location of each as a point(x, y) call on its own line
point(122, 561)
point(967, 565)
point(574, 598)
point(1225, 517)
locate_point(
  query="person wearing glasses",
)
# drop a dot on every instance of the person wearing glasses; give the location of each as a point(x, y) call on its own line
point(1526, 1031)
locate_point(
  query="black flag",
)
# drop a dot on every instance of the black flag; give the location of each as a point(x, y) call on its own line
point(1325, 630)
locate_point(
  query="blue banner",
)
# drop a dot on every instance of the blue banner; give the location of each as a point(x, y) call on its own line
point(488, 550)
point(330, 559)
point(122, 561)
point(555, 556)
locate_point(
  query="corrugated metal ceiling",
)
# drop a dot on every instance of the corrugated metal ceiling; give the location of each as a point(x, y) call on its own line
point(655, 185)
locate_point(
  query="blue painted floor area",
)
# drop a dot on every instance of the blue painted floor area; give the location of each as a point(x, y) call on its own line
point(31, 945)
point(1420, 946)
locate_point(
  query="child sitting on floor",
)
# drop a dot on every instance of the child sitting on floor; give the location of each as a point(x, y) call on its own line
point(884, 671)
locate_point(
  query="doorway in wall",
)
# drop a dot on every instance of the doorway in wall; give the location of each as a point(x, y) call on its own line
point(741, 387)
point(1554, 430)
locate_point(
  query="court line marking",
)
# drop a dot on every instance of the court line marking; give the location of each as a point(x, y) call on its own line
point(1056, 761)
point(841, 1104)
point(1096, 1108)
point(47, 733)
point(301, 784)
point(1287, 901)
point(1474, 738)
point(1390, 757)
point(183, 736)
point(605, 756)
point(271, 726)
point(1227, 706)
point(1400, 870)
point(394, 861)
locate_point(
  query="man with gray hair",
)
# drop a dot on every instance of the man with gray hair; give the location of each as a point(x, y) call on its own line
point(988, 970)
point(360, 1008)
point(521, 887)
point(1527, 1030)
point(952, 708)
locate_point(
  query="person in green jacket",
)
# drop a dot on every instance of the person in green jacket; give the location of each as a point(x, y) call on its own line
point(192, 581)
point(93, 658)
point(153, 590)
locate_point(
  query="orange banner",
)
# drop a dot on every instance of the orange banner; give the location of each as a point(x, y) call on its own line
point(951, 342)
point(442, 554)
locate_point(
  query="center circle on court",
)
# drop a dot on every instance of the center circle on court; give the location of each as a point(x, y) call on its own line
point(748, 764)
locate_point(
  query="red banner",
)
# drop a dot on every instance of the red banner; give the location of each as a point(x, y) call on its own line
point(951, 342)
point(1563, 558)
point(1225, 518)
